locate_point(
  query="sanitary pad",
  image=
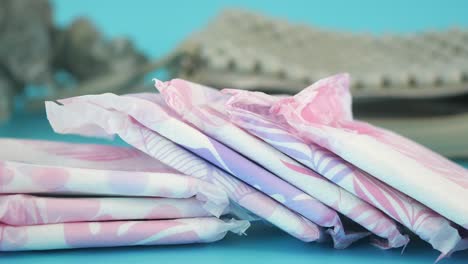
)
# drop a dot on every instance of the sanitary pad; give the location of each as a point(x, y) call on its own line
point(21, 209)
point(25, 178)
point(117, 233)
point(87, 156)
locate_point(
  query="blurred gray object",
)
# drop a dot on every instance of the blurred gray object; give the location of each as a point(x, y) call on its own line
point(25, 48)
point(33, 51)
point(83, 51)
point(25, 41)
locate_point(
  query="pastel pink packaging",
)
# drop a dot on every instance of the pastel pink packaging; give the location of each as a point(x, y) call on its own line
point(87, 156)
point(117, 233)
point(127, 182)
point(26, 178)
point(251, 111)
point(91, 119)
point(23, 210)
point(205, 108)
point(322, 113)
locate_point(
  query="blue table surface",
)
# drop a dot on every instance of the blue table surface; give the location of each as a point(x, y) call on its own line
point(156, 27)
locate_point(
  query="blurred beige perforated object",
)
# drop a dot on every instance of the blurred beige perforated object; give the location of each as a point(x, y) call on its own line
point(246, 50)
point(243, 49)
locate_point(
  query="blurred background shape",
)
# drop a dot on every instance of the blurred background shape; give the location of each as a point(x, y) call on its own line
point(413, 80)
point(48, 59)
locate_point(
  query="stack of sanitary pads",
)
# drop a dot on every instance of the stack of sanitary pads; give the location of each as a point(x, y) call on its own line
point(59, 195)
point(301, 163)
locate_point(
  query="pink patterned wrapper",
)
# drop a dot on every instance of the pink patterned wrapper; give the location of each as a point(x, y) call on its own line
point(405, 165)
point(205, 108)
point(22, 210)
point(85, 116)
point(87, 156)
point(117, 233)
point(26, 178)
point(251, 111)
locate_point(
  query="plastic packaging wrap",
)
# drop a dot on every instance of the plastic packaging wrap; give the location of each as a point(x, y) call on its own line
point(22, 210)
point(25, 178)
point(117, 233)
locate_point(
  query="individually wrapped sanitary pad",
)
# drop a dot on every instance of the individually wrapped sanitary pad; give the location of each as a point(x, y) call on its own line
point(26, 178)
point(22, 210)
point(117, 233)
point(86, 156)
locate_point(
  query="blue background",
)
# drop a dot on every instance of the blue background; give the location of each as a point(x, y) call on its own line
point(157, 27)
